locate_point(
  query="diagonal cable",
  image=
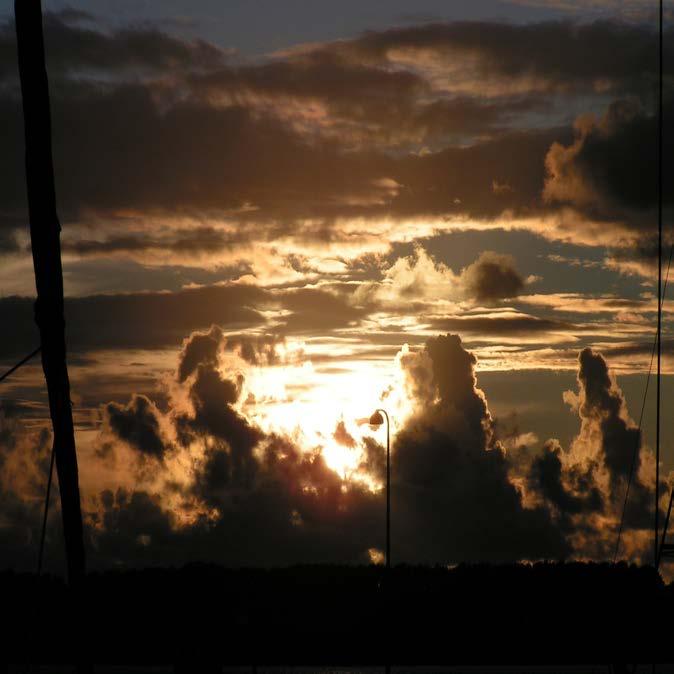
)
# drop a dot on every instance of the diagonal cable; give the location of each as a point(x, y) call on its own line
point(23, 361)
point(641, 417)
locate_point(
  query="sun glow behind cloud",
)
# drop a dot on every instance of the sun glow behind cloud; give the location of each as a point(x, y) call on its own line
point(306, 402)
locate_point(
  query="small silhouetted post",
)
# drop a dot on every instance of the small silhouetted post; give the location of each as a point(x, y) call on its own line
point(388, 493)
point(45, 231)
point(377, 420)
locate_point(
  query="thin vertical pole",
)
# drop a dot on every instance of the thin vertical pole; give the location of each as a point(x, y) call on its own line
point(388, 529)
point(664, 530)
point(388, 493)
point(656, 555)
point(45, 232)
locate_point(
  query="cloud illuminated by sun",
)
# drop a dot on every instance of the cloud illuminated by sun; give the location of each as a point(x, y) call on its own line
point(306, 402)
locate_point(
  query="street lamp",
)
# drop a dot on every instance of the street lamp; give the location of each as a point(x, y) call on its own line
point(377, 420)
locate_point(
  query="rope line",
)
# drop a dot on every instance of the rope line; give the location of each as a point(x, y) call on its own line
point(641, 417)
point(46, 513)
point(43, 534)
point(23, 361)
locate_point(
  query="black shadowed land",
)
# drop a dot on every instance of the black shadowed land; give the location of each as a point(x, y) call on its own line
point(340, 615)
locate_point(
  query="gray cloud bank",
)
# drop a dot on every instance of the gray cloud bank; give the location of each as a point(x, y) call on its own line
point(435, 120)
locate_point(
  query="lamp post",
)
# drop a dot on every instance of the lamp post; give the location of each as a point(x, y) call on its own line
point(377, 420)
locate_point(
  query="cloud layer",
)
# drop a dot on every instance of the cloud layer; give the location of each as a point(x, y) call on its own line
point(301, 216)
point(204, 476)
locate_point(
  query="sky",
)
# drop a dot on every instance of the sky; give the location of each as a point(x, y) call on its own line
point(280, 216)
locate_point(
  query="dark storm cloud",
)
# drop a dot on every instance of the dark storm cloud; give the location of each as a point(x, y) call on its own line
point(194, 241)
point(168, 152)
point(256, 350)
point(315, 309)
point(24, 465)
point(213, 397)
point(459, 180)
point(194, 158)
point(204, 348)
point(276, 504)
point(137, 423)
point(492, 277)
point(8, 242)
point(137, 530)
point(452, 474)
point(74, 48)
point(365, 102)
point(395, 100)
point(550, 478)
point(161, 319)
point(504, 324)
point(602, 403)
point(269, 522)
point(191, 157)
point(560, 53)
point(140, 320)
point(233, 141)
point(608, 440)
point(256, 498)
point(199, 348)
point(610, 171)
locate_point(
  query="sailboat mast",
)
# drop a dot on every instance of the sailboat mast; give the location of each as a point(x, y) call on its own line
point(45, 232)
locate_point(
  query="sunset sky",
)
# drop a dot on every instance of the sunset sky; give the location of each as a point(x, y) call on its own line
point(280, 215)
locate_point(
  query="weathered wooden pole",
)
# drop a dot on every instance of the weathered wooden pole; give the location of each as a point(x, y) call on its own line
point(45, 236)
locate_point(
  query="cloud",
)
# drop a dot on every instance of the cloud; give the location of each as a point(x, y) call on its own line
point(326, 92)
point(24, 465)
point(261, 349)
point(198, 349)
point(611, 168)
point(586, 483)
point(342, 436)
point(167, 152)
point(75, 47)
point(420, 278)
point(137, 423)
point(451, 473)
point(204, 159)
point(506, 324)
point(250, 496)
point(228, 489)
point(298, 178)
point(639, 11)
point(136, 320)
point(154, 320)
point(571, 489)
point(193, 244)
point(597, 55)
point(601, 405)
point(213, 398)
point(492, 277)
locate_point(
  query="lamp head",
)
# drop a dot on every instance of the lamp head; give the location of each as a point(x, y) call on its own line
point(376, 419)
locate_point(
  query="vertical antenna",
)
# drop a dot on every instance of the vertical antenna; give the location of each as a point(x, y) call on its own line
point(657, 408)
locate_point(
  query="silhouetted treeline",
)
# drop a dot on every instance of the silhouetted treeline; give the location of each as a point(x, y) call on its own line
point(543, 613)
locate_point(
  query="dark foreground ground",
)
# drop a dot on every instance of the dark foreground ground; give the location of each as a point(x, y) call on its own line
point(202, 617)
